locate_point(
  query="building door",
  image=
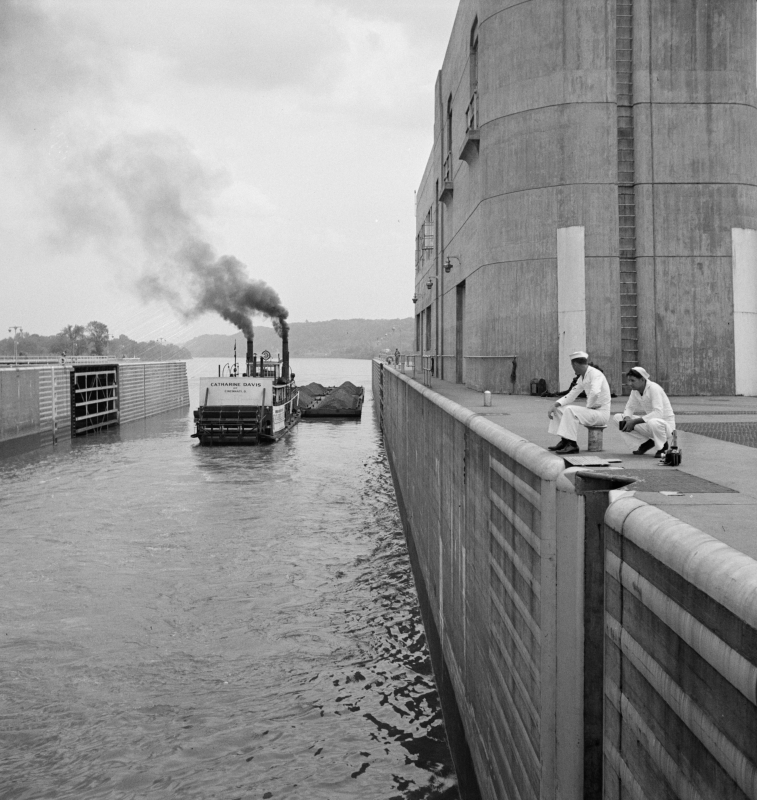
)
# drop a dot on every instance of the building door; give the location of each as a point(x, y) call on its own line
point(459, 325)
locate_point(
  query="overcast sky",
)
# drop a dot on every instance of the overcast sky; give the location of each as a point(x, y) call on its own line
point(289, 134)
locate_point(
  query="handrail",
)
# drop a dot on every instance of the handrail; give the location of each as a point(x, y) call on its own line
point(52, 360)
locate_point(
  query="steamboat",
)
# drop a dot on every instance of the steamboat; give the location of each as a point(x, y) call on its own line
point(258, 406)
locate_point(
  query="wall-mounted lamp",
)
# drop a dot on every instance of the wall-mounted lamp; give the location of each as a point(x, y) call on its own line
point(448, 263)
point(415, 297)
point(429, 283)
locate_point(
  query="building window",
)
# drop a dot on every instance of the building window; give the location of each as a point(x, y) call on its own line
point(471, 140)
point(472, 111)
point(428, 231)
point(424, 240)
point(448, 161)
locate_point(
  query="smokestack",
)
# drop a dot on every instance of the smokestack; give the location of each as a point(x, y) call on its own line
point(285, 352)
point(250, 358)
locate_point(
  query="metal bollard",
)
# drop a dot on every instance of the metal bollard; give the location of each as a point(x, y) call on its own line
point(487, 398)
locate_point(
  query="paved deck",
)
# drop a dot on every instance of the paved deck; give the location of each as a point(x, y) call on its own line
point(717, 437)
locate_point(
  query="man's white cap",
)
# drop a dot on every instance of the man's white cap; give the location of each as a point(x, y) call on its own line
point(579, 354)
point(644, 374)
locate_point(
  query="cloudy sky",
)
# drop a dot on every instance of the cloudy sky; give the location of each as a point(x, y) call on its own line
point(289, 134)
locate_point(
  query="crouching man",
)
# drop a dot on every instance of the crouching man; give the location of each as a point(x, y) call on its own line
point(565, 419)
point(648, 420)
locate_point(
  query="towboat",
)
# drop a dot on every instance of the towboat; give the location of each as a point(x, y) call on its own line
point(258, 406)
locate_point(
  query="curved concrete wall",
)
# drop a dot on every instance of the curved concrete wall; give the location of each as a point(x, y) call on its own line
point(548, 159)
point(695, 85)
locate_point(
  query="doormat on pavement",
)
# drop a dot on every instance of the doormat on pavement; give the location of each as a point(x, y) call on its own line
point(738, 432)
point(666, 479)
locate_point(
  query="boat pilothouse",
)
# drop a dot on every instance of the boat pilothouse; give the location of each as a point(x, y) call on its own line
point(260, 405)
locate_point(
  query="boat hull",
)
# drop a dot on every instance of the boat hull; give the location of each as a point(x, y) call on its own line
point(239, 425)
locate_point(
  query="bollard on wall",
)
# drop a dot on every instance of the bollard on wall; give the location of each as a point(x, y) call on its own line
point(487, 398)
point(595, 438)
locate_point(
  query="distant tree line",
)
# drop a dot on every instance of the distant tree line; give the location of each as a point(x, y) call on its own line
point(336, 338)
point(94, 338)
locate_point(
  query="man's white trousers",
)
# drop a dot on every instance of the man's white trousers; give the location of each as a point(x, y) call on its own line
point(566, 420)
point(656, 429)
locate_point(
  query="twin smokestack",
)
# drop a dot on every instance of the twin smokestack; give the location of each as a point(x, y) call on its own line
point(251, 365)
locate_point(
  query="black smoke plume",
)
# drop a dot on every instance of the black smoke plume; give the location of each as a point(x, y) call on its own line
point(216, 284)
point(138, 197)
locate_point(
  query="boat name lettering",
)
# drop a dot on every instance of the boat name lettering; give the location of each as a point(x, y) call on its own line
point(236, 385)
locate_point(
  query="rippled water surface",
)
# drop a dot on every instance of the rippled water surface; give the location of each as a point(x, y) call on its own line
point(213, 622)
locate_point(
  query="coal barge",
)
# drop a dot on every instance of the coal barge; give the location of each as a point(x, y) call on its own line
point(260, 406)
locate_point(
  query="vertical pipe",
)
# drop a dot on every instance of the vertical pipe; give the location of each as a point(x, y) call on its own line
point(285, 353)
point(250, 358)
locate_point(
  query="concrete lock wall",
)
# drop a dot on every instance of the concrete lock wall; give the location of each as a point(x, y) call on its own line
point(19, 404)
point(680, 660)
point(54, 404)
point(630, 120)
point(35, 402)
point(479, 506)
point(147, 389)
point(586, 659)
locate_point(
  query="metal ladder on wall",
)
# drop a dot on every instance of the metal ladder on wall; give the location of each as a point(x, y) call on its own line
point(626, 178)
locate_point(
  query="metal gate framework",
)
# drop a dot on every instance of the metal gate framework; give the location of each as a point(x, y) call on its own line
point(94, 398)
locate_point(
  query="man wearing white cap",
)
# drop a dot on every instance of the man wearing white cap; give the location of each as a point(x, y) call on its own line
point(648, 419)
point(565, 419)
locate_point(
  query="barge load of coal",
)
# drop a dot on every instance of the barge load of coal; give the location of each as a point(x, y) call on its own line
point(256, 407)
point(331, 401)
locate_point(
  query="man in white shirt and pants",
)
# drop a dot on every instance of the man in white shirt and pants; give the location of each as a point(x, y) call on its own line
point(648, 420)
point(565, 419)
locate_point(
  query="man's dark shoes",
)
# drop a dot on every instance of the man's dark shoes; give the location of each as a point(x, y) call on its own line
point(663, 449)
point(644, 448)
point(567, 449)
point(557, 446)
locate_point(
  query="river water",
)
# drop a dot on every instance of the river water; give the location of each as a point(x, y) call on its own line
point(213, 622)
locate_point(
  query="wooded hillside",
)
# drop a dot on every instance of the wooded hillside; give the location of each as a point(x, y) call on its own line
point(336, 338)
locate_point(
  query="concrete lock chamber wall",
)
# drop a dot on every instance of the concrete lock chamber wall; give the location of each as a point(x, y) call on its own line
point(42, 404)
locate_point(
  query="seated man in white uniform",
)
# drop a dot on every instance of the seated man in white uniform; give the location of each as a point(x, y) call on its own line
point(648, 419)
point(565, 419)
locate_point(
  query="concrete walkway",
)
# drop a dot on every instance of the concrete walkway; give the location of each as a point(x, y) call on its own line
point(732, 518)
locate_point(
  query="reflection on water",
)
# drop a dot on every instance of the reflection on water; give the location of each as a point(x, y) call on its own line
point(213, 622)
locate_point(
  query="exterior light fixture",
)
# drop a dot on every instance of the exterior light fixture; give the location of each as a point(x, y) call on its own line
point(16, 330)
point(429, 283)
point(415, 297)
point(448, 263)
